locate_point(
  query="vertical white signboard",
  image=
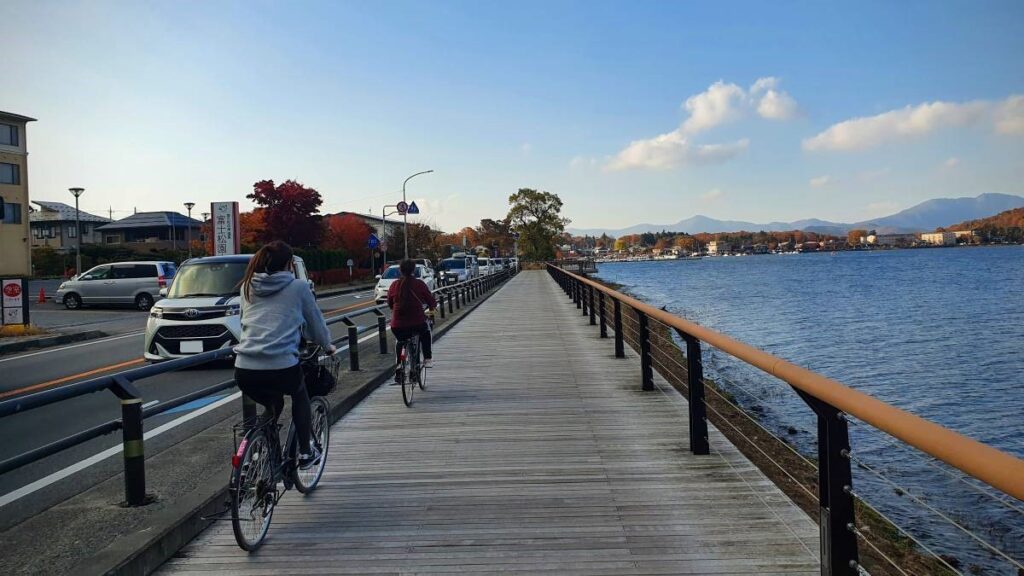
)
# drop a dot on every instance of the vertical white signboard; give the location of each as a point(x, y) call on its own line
point(13, 301)
point(226, 237)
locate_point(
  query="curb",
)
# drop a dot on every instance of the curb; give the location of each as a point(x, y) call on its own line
point(48, 341)
point(142, 553)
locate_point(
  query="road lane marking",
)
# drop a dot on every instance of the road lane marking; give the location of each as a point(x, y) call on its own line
point(353, 294)
point(351, 307)
point(69, 378)
point(96, 458)
point(83, 464)
point(89, 343)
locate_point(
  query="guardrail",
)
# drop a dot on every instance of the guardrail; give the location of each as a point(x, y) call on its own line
point(830, 400)
point(133, 414)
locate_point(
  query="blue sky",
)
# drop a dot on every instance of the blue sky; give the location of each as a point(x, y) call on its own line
point(630, 111)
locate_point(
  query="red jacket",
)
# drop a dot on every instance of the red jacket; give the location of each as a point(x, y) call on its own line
point(410, 313)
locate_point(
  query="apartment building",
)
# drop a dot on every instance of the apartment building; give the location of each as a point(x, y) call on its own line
point(15, 244)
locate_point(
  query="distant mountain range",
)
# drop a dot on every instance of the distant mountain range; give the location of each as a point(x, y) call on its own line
point(923, 217)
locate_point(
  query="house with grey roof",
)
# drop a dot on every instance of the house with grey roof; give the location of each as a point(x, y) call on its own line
point(53, 225)
point(159, 229)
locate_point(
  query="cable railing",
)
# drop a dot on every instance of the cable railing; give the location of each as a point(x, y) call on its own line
point(122, 385)
point(834, 406)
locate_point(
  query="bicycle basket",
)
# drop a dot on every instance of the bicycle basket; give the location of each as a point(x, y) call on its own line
point(322, 376)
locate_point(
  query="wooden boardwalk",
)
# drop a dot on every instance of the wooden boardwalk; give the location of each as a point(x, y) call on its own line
point(533, 450)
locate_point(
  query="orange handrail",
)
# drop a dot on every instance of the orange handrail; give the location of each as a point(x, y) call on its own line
point(992, 466)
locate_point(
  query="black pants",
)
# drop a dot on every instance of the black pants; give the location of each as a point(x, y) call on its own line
point(423, 331)
point(268, 388)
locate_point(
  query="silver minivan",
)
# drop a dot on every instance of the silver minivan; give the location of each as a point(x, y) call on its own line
point(132, 283)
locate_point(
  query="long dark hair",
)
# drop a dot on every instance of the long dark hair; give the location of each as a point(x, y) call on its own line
point(407, 268)
point(273, 257)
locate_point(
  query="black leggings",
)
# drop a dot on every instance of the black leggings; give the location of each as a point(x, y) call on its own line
point(268, 387)
point(423, 331)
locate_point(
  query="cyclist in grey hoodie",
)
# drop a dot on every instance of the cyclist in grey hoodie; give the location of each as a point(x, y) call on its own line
point(277, 310)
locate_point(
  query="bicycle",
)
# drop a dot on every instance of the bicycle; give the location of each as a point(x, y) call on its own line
point(261, 466)
point(410, 371)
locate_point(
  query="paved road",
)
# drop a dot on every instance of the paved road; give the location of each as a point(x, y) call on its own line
point(61, 366)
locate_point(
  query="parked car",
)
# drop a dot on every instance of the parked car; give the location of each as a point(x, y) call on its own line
point(384, 281)
point(458, 268)
point(486, 265)
point(201, 310)
point(118, 283)
point(514, 263)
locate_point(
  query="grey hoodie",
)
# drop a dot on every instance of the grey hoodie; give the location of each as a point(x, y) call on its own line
point(282, 309)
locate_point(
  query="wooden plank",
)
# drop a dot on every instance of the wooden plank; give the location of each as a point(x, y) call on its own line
point(532, 450)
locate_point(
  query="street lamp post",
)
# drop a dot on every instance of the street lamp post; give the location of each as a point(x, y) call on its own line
point(189, 206)
point(78, 231)
point(384, 229)
point(405, 217)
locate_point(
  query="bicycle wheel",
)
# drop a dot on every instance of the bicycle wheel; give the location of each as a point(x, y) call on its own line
point(408, 385)
point(423, 375)
point(306, 480)
point(253, 492)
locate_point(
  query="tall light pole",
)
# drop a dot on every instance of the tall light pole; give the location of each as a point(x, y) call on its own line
point(189, 206)
point(405, 216)
point(78, 231)
point(384, 229)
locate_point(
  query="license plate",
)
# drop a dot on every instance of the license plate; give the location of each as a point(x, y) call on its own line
point(191, 346)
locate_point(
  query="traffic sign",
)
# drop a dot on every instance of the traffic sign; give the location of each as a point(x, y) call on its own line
point(373, 242)
point(402, 207)
point(413, 208)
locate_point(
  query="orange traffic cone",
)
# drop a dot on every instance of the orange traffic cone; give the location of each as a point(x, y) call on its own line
point(42, 295)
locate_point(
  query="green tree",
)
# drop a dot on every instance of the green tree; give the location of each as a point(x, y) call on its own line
point(536, 216)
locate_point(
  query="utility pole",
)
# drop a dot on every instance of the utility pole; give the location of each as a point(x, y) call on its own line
point(189, 206)
point(78, 231)
point(405, 216)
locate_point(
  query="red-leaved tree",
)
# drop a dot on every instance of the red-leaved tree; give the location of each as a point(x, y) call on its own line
point(350, 233)
point(290, 212)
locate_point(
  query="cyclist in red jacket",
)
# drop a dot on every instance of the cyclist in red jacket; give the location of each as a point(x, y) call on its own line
point(407, 297)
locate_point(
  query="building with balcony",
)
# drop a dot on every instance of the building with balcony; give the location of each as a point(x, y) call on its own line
point(15, 246)
point(53, 225)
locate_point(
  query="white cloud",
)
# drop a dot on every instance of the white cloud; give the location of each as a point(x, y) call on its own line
point(711, 195)
point(918, 121)
point(1009, 116)
point(672, 150)
point(720, 104)
point(951, 162)
point(820, 181)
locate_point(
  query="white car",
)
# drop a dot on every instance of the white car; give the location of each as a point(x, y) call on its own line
point(486, 266)
point(384, 281)
point(200, 311)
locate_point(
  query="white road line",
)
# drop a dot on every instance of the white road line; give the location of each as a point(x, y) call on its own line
point(89, 343)
point(83, 464)
point(346, 295)
point(150, 403)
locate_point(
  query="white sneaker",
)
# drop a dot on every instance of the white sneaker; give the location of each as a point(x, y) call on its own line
point(428, 362)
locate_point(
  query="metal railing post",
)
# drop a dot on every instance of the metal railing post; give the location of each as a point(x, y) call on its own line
point(600, 313)
point(695, 396)
point(353, 345)
point(836, 520)
point(578, 292)
point(620, 348)
point(590, 304)
point(451, 302)
point(133, 446)
point(440, 303)
point(646, 371)
point(382, 332)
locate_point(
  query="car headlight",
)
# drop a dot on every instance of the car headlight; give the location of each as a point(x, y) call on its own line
point(156, 312)
point(233, 311)
point(62, 285)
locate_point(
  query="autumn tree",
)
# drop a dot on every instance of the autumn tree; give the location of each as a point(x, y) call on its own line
point(290, 212)
point(853, 236)
point(536, 216)
point(350, 233)
point(250, 227)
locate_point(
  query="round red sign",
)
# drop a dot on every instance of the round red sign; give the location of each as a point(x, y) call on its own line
point(12, 290)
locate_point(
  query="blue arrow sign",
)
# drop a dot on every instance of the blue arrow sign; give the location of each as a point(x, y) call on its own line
point(373, 242)
point(413, 208)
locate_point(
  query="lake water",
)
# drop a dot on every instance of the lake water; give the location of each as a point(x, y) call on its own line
point(939, 333)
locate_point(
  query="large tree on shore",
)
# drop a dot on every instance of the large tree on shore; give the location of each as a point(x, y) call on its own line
point(290, 212)
point(536, 216)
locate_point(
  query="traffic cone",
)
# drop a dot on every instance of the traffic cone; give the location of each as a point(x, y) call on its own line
point(42, 295)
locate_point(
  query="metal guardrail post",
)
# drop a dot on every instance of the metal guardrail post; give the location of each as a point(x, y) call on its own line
point(382, 332)
point(440, 303)
point(132, 442)
point(646, 371)
point(620, 348)
point(836, 520)
point(578, 293)
point(590, 301)
point(353, 345)
point(600, 313)
point(695, 396)
point(451, 302)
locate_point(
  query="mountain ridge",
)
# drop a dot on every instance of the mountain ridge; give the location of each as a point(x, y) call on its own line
point(922, 217)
